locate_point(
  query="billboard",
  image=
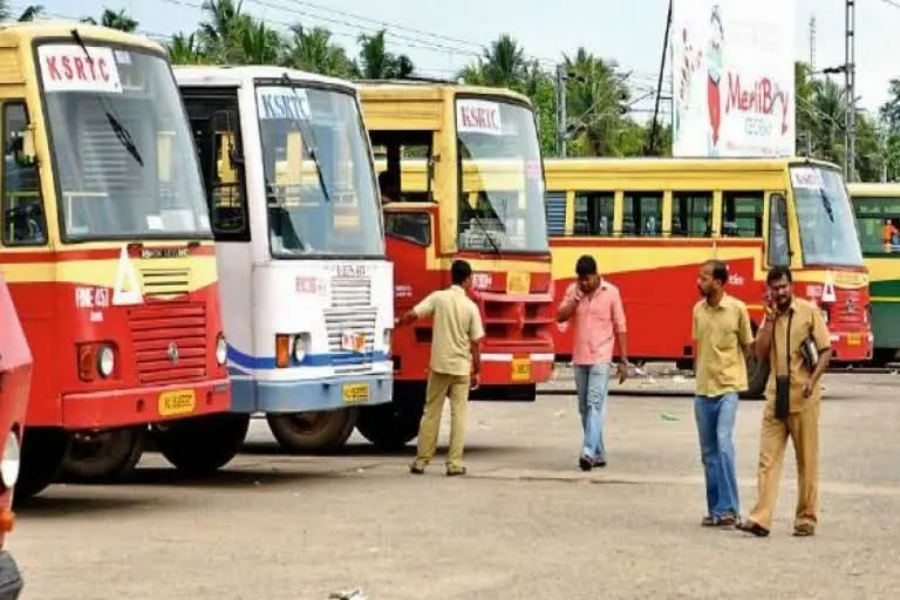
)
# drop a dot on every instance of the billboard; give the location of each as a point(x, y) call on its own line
point(733, 78)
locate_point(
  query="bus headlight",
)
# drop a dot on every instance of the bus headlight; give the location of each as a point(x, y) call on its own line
point(106, 361)
point(387, 341)
point(301, 346)
point(9, 464)
point(221, 350)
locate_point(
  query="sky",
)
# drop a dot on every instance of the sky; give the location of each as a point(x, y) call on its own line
point(442, 36)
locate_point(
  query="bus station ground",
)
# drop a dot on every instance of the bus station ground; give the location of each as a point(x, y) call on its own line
point(525, 523)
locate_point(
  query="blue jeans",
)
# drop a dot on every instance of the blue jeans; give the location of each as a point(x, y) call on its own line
point(592, 383)
point(715, 417)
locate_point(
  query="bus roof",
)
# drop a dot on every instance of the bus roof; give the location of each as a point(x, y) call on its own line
point(213, 75)
point(680, 164)
point(874, 190)
point(414, 89)
point(27, 31)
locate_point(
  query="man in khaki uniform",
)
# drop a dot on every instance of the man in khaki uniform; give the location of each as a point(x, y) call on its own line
point(796, 342)
point(455, 365)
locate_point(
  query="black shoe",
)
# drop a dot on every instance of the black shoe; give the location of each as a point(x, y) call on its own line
point(752, 528)
point(600, 463)
point(417, 469)
point(586, 463)
point(456, 471)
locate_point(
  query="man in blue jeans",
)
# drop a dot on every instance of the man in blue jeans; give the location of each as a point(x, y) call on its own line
point(724, 338)
point(595, 307)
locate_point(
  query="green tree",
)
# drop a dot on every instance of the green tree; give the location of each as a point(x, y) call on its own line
point(375, 62)
point(114, 20)
point(29, 14)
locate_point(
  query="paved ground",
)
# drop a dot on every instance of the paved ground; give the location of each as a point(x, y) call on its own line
point(524, 524)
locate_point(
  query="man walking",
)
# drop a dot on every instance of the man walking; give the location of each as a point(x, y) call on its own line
point(723, 337)
point(596, 307)
point(796, 342)
point(455, 365)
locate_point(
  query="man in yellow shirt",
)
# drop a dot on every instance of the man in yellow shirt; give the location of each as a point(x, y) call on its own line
point(455, 365)
point(723, 336)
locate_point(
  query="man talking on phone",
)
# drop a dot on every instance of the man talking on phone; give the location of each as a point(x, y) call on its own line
point(455, 365)
point(723, 336)
point(795, 340)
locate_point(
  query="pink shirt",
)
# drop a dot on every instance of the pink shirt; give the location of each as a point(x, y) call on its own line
point(597, 319)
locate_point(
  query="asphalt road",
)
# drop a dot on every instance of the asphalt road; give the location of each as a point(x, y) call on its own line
point(525, 523)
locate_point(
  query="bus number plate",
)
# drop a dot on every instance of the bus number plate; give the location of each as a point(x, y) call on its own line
point(356, 392)
point(521, 369)
point(518, 283)
point(854, 339)
point(181, 402)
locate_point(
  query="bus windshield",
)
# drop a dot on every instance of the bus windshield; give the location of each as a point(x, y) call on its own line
point(501, 176)
point(827, 227)
point(122, 154)
point(320, 181)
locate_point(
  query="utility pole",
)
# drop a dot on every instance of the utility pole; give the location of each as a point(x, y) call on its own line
point(812, 43)
point(850, 91)
point(562, 77)
point(653, 143)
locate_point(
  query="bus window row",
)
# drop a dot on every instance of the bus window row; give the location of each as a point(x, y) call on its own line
point(643, 214)
point(879, 224)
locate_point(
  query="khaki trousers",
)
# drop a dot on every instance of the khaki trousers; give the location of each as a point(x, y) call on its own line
point(803, 429)
point(440, 386)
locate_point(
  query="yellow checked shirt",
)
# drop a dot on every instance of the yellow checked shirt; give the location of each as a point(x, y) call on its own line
point(721, 332)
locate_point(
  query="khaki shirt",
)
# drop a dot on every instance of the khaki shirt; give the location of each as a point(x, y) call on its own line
point(807, 320)
point(721, 332)
point(457, 325)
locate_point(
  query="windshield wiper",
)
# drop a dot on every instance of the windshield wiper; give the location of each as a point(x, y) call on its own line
point(122, 134)
point(484, 229)
point(312, 148)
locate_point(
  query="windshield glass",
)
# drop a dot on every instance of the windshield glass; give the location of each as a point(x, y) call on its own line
point(320, 182)
point(827, 228)
point(122, 153)
point(501, 204)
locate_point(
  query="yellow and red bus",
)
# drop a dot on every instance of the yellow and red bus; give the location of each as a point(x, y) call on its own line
point(441, 216)
point(651, 223)
point(107, 250)
point(15, 381)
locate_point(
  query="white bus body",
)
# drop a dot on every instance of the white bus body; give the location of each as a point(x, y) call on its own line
point(306, 289)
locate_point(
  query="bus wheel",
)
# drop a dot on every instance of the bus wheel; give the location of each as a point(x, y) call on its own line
point(318, 432)
point(103, 456)
point(200, 446)
point(757, 378)
point(43, 453)
point(393, 425)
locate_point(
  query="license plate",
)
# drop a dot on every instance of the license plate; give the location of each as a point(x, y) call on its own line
point(518, 283)
point(355, 392)
point(181, 402)
point(854, 339)
point(521, 369)
point(353, 342)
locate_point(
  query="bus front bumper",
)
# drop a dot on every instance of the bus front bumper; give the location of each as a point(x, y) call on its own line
point(150, 404)
point(508, 369)
point(852, 346)
point(251, 395)
point(11, 582)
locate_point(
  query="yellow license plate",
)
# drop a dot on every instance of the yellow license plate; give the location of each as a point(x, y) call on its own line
point(518, 283)
point(521, 369)
point(181, 402)
point(854, 339)
point(356, 392)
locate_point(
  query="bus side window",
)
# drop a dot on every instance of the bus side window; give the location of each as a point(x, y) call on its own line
point(742, 214)
point(412, 227)
point(692, 214)
point(594, 213)
point(642, 214)
point(779, 248)
point(22, 219)
point(555, 209)
point(878, 223)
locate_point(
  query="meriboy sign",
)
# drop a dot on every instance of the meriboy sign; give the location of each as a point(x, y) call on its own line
point(733, 78)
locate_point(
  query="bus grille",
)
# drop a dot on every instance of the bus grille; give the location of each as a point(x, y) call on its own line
point(351, 292)
point(165, 282)
point(154, 327)
point(360, 321)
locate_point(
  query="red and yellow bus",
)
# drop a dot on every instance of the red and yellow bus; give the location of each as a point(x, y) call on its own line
point(107, 250)
point(440, 215)
point(651, 223)
point(15, 381)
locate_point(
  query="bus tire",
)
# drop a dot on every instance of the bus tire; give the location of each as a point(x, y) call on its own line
point(319, 432)
point(103, 456)
point(43, 453)
point(200, 446)
point(393, 425)
point(757, 378)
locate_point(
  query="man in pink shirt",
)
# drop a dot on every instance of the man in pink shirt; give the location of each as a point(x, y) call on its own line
point(599, 318)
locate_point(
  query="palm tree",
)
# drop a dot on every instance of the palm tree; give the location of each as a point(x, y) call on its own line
point(114, 20)
point(184, 50)
point(375, 62)
point(29, 14)
point(312, 50)
point(595, 95)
